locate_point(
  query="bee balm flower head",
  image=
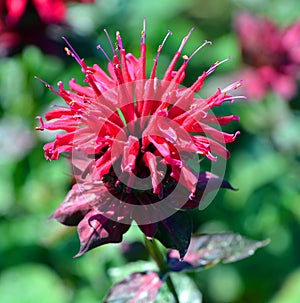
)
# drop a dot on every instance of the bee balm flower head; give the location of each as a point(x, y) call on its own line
point(271, 56)
point(135, 143)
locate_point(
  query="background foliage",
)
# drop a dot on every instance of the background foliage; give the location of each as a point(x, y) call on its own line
point(36, 263)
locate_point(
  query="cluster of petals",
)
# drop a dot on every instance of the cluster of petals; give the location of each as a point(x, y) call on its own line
point(124, 129)
point(271, 54)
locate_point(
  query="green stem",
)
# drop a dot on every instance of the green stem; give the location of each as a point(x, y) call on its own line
point(172, 288)
point(160, 261)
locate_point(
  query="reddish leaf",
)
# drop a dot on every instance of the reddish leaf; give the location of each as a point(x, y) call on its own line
point(149, 229)
point(207, 182)
point(95, 230)
point(139, 287)
point(78, 203)
point(175, 232)
point(209, 249)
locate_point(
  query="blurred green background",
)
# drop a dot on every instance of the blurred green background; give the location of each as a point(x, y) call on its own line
point(36, 263)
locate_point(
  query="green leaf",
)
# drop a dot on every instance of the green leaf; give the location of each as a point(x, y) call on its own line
point(209, 249)
point(186, 289)
point(175, 232)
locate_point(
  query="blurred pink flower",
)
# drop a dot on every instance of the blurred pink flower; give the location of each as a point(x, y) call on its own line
point(132, 140)
point(271, 55)
point(25, 22)
point(49, 11)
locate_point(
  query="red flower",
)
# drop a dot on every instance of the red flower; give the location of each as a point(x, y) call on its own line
point(25, 22)
point(271, 55)
point(49, 11)
point(135, 144)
